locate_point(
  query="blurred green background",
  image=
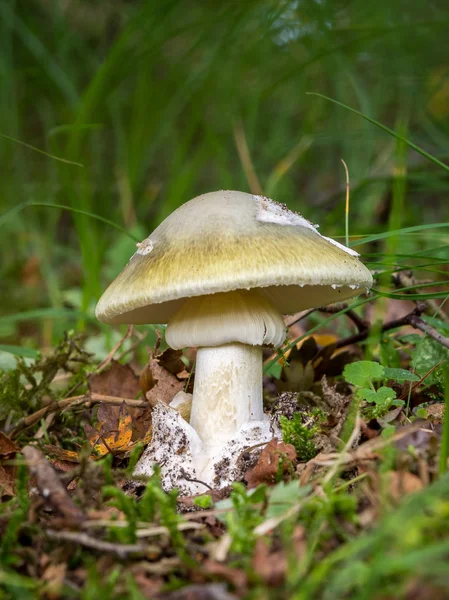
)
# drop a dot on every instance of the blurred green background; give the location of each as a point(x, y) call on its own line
point(161, 101)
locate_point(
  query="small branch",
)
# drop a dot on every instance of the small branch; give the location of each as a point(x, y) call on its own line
point(89, 398)
point(413, 319)
point(74, 537)
point(50, 487)
point(299, 316)
point(184, 474)
point(418, 323)
point(117, 346)
point(360, 323)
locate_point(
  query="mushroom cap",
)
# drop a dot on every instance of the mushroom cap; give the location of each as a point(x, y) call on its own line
point(229, 240)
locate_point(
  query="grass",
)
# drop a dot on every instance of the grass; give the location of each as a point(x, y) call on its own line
point(161, 101)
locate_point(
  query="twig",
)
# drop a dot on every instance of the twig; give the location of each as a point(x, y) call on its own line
point(360, 323)
point(413, 319)
point(299, 316)
point(90, 397)
point(143, 529)
point(121, 550)
point(134, 345)
point(50, 487)
point(184, 475)
point(418, 323)
point(118, 345)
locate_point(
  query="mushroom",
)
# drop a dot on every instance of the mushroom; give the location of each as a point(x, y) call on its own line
point(221, 270)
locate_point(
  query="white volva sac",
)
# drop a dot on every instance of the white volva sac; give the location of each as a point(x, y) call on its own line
point(221, 271)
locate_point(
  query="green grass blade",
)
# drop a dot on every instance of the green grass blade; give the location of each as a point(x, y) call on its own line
point(86, 213)
point(387, 129)
point(386, 234)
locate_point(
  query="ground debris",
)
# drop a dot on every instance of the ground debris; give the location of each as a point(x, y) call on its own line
point(50, 487)
point(275, 460)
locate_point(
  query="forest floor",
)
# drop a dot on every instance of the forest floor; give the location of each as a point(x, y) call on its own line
point(352, 502)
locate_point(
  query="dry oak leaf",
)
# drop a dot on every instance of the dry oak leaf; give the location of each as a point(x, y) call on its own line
point(55, 452)
point(402, 483)
point(272, 566)
point(54, 576)
point(8, 450)
point(275, 459)
point(158, 384)
point(119, 380)
point(113, 432)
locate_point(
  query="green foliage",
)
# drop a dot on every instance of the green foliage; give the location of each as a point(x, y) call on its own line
point(204, 501)
point(155, 505)
point(301, 430)
point(427, 354)
point(22, 389)
point(244, 516)
point(364, 373)
point(415, 536)
point(285, 496)
point(101, 586)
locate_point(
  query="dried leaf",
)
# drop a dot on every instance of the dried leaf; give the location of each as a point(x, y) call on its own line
point(54, 575)
point(61, 453)
point(272, 566)
point(166, 385)
point(274, 460)
point(119, 380)
point(171, 361)
point(237, 577)
point(113, 432)
point(7, 481)
point(7, 447)
point(402, 483)
point(8, 450)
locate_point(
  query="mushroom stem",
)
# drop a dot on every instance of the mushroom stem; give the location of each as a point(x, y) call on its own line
point(227, 392)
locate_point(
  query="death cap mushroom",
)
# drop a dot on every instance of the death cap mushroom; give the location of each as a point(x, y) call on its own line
point(230, 240)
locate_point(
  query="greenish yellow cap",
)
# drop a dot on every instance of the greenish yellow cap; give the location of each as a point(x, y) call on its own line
point(229, 240)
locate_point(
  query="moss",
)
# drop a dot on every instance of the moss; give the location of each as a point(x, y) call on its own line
point(301, 430)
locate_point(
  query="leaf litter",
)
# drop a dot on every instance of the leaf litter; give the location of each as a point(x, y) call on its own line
point(348, 470)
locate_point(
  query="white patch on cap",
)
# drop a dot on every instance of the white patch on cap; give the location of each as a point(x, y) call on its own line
point(269, 211)
point(144, 247)
point(341, 246)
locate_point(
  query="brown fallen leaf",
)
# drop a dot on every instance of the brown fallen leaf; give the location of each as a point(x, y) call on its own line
point(237, 577)
point(7, 481)
point(113, 432)
point(51, 487)
point(7, 447)
point(271, 566)
point(402, 483)
point(165, 385)
point(171, 361)
point(119, 380)
point(274, 460)
point(8, 450)
point(70, 456)
point(54, 576)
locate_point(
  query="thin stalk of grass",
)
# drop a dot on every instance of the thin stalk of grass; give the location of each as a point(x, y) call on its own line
point(86, 213)
point(398, 136)
point(368, 239)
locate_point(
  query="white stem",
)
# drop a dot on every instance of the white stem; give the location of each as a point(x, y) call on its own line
point(227, 391)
